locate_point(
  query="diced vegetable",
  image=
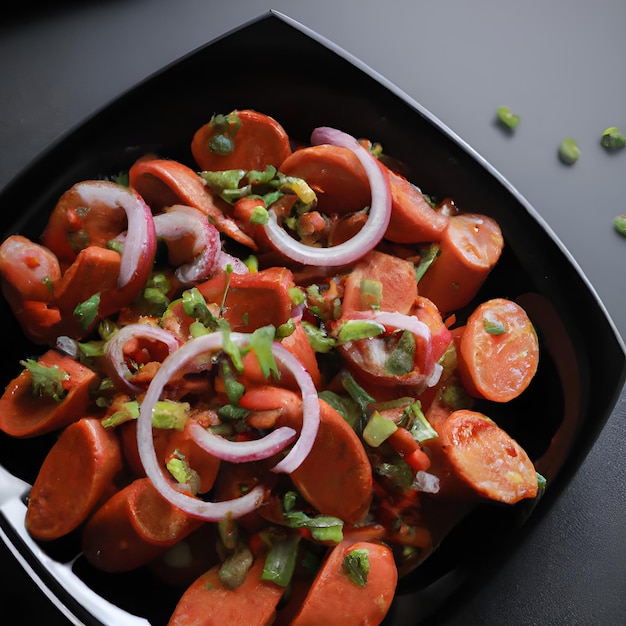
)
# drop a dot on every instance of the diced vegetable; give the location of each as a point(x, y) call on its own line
point(507, 117)
point(612, 138)
point(286, 433)
point(569, 152)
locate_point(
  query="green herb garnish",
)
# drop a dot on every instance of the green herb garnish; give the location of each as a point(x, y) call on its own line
point(356, 565)
point(47, 381)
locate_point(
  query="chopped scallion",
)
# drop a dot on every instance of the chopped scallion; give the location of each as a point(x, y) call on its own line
point(507, 117)
point(612, 138)
point(47, 381)
point(353, 330)
point(569, 152)
point(261, 343)
point(378, 429)
point(86, 312)
point(280, 560)
point(356, 565)
point(401, 360)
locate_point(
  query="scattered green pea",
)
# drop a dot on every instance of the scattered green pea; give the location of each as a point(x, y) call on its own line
point(569, 151)
point(620, 224)
point(507, 117)
point(612, 138)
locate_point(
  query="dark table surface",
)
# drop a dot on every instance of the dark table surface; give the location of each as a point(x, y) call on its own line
point(558, 64)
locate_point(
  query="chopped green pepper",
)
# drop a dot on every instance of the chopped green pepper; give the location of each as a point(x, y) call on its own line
point(346, 407)
point(182, 473)
point(47, 381)
point(236, 567)
point(195, 306)
point(353, 330)
point(280, 560)
point(493, 326)
point(370, 294)
point(401, 361)
point(169, 414)
point(259, 215)
point(507, 117)
point(612, 138)
point(319, 340)
point(356, 392)
point(414, 420)
point(378, 429)
point(356, 565)
point(569, 152)
point(427, 257)
point(87, 311)
point(261, 341)
point(128, 411)
point(321, 527)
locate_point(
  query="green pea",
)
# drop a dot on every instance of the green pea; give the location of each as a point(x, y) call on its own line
point(612, 138)
point(507, 117)
point(569, 151)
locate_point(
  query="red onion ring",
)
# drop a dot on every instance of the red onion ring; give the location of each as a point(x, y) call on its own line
point(174, 363)
point(393, 319)
point(236, 264)
point(435, 377)
point(114, 350)
point(371, 233)
point(310, 410)
point(140, 242)
point(242, 451)
point(178, 221)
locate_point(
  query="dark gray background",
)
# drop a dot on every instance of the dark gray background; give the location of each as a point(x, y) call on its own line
point(559, 64)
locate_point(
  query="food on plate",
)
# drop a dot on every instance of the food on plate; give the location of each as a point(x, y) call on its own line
point(270, 371)
point(498, 351)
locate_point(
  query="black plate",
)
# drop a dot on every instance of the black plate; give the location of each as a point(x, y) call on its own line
point(583, 363)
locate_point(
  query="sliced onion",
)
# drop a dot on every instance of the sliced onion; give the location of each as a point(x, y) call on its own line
point(242, 451)
point(435, 377)
point(310, 410)
point(237, 265)
point(68, 346)
point(426, 482)
point(140, 241)
point(179, 221)
point(180, 360)
point(397, 320)
point(114, 349)
point(371, 233)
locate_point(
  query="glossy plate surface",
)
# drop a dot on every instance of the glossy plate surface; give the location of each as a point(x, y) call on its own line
point(583, 363)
